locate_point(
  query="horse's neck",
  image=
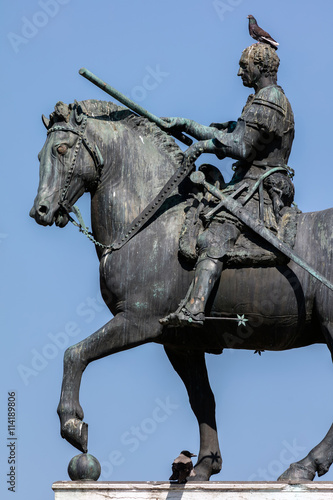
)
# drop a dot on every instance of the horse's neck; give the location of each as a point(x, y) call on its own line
point(133, 174)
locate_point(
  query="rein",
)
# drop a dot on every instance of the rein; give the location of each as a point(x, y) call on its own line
point(136, 225)
point(146, 214)
point(99, 163)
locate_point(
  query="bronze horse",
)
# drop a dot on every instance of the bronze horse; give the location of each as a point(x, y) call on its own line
point(124, 161)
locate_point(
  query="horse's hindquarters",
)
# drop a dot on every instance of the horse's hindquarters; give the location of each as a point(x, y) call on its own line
point(267, 308)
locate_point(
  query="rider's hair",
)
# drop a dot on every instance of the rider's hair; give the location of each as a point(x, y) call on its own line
point(264, 56)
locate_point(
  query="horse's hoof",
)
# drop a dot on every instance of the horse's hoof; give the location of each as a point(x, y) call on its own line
point(207, 466)
point(76, 433)
point(298, 473)
point(199, 477)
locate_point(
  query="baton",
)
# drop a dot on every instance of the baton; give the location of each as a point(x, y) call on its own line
point(133, 105)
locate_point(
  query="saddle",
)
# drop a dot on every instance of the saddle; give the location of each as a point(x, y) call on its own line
point(250, 250)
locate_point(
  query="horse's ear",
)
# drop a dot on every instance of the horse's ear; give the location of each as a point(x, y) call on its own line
point(62, 111)
point(78, 113)
point(46, 121)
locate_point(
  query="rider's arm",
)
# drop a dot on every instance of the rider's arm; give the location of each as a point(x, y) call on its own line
point(194, 129)
point(241, 144)
point(199, 132)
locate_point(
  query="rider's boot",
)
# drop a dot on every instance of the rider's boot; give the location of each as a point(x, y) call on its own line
point(207, 272)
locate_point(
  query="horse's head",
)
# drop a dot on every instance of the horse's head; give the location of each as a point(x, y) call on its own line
point(69, 165)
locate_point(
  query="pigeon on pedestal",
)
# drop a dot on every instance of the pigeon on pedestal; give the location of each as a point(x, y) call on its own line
point(182, 467)
point(259, 34)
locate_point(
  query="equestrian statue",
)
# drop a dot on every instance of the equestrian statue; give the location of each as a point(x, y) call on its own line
point(188, 260)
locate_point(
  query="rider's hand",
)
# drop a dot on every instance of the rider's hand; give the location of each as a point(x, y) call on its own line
point(229, 126)
point(174, 123)
point(219, 126)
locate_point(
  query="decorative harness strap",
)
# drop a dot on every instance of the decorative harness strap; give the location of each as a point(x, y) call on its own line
point(143, 217)
point(94, 152)
point(174, 181)
point(136, 225)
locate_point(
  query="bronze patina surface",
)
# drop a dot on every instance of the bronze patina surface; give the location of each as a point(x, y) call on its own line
point(125, 162)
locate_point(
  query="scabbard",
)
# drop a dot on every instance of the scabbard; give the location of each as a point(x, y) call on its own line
point(237, 209)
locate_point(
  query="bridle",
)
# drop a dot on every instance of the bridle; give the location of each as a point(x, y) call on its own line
point(98, 162)
point(136, 225)
point(93, 151)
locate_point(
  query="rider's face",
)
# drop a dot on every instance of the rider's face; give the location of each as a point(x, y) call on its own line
point(248, 71)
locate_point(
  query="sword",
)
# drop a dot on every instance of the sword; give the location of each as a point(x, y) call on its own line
point(133, 105)
point(237, 209)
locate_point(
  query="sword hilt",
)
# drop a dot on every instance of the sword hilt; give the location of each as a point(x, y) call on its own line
point(198, 177)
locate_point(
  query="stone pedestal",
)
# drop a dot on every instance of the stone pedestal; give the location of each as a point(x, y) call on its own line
point(80, 490)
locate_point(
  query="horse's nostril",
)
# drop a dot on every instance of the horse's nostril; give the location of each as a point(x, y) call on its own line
point(43, 209)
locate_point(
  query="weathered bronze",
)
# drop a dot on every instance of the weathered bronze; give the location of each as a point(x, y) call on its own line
point(131, 104)
point(261, 142)
point(125, 161)
point(84, 467)
point(236, 208)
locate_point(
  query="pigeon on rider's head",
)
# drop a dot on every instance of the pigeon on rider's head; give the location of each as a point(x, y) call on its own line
point(259, 34)
point(182, 467)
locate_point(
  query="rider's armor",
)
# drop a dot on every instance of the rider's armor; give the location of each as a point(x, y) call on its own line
point(261, 142)
point(268, 113)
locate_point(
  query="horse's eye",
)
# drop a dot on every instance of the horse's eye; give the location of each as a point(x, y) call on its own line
point(62, 149)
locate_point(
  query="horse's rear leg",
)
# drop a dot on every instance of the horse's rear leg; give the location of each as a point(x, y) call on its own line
point(317, 461)
point(117, 335)
point(320, 457)
point(191, 367)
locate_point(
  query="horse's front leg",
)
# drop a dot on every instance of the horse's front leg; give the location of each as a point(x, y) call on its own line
point(119, 334)
point(191, 367)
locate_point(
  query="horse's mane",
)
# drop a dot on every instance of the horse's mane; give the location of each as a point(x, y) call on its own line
point(105, 110)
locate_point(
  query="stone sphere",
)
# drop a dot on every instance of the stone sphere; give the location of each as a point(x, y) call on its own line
point(84, 467)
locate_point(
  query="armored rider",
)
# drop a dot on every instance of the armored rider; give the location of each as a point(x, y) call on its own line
point(260, 141)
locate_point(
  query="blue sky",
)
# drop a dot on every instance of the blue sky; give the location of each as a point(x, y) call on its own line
point(272, 409)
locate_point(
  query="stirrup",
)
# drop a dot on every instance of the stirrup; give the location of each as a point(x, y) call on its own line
point(183, 318)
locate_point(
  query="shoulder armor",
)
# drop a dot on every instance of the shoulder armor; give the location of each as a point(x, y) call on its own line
point(272, 97)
